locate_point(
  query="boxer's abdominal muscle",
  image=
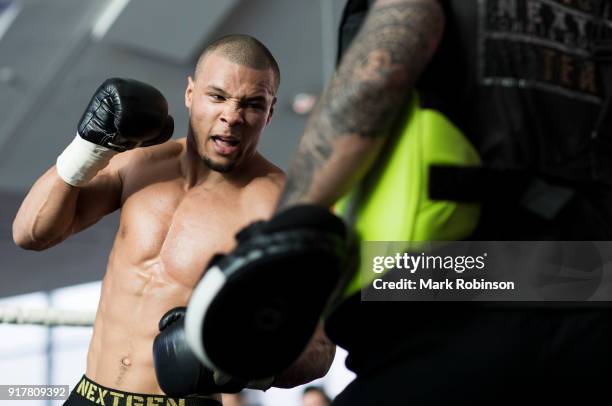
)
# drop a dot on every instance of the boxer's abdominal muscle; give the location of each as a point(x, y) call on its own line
point(165, 239)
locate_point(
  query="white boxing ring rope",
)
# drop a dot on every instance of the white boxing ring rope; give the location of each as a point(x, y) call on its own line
point(46, 317)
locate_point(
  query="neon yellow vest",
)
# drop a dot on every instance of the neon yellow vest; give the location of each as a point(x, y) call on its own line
point(392, 204)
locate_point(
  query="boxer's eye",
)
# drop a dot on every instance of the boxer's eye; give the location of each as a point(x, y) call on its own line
point(255, 104)
point(216, 97)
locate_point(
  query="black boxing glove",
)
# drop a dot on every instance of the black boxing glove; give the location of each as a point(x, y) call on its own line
point(179, 373)
point(125, 113)
point(122, 114)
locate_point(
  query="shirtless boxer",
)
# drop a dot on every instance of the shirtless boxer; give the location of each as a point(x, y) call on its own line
point(181, 202)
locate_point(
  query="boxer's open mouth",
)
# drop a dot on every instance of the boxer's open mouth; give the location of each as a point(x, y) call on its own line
point(227, 140)
point(225, 145)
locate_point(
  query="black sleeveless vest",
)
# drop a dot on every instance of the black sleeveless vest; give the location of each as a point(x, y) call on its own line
point(521, 80)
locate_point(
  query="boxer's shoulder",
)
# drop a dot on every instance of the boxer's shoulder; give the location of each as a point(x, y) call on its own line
point(266, 183)
point(153, 155)
point(263, 188)
point(139, 160)
point(266, 173)
point(272, 181)
point(143, 169)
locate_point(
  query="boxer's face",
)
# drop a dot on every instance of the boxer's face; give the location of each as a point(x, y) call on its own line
point(229, 106)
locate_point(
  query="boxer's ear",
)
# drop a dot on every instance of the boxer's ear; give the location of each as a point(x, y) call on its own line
point(189, 92)
point(271, 112)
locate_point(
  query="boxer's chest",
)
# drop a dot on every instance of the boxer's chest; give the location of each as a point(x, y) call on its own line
point(178, 232)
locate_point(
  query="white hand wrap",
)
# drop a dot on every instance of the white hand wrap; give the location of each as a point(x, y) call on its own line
point(81, 160)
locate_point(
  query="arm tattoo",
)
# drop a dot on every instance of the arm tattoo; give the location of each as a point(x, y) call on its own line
point(370, 87)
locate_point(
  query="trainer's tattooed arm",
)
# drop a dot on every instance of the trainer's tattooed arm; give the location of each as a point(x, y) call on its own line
point(376, 76)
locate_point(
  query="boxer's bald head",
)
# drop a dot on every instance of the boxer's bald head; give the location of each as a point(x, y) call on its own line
point(243, 50)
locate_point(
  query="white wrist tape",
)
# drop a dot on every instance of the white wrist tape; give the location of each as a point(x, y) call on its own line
point(81, 160)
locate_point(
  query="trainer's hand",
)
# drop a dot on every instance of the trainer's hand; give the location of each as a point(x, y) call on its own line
point(272, 289)
point(180, 373)
point(122, 114)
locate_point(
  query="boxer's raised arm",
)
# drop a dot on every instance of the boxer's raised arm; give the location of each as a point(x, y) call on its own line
point(53, 209)
point(370, 87)
point(85, 183)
